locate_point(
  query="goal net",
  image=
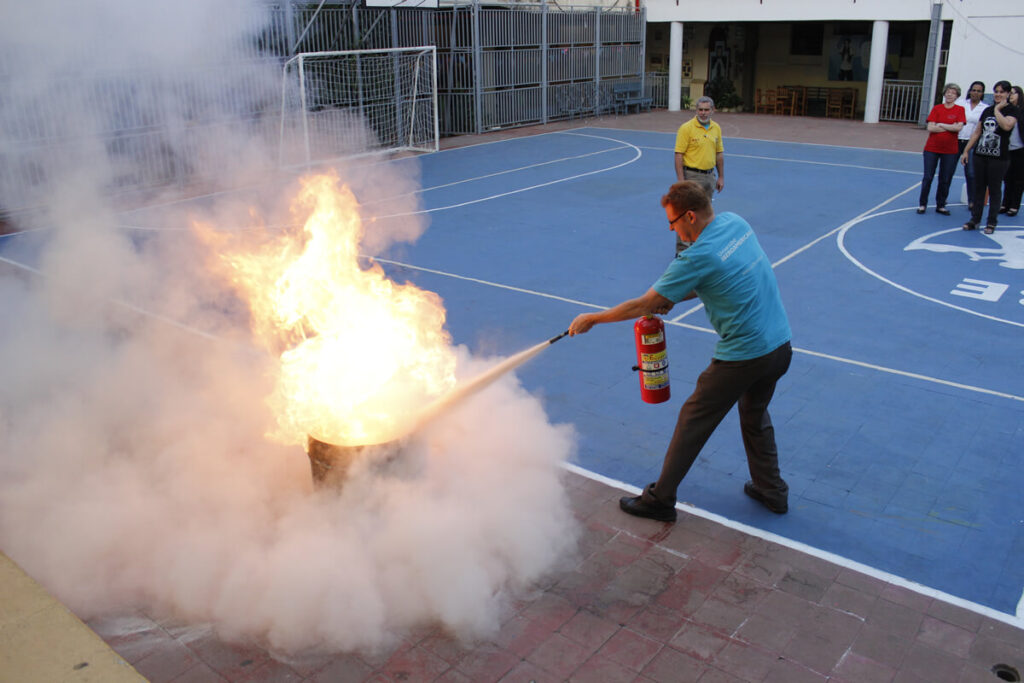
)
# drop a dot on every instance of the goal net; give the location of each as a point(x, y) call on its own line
point(354, 102)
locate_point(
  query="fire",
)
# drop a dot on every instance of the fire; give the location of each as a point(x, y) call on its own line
point(359, 354)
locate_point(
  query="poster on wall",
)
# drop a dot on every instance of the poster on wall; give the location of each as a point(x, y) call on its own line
point(849, 57)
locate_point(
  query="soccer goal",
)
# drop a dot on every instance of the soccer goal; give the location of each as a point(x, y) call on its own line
point(354, 102)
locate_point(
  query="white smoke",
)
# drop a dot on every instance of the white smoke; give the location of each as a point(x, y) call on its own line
point(133, 469)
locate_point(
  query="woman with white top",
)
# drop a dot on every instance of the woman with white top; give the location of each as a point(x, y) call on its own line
point(973, 107)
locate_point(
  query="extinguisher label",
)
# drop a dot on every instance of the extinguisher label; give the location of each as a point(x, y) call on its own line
point(655, 380)
point(651, 339)
point(654, 361)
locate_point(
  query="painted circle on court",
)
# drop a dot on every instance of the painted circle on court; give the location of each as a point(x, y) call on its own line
point(929, 256)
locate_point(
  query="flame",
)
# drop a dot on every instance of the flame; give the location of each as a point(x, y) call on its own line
point(360, 355)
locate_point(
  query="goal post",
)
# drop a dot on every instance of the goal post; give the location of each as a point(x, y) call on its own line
point(353, 102)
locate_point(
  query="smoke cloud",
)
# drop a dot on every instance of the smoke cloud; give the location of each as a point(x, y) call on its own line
point(134, 471)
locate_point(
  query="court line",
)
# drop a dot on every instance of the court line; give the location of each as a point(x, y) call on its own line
point(810, 244)
point(730, 155)
point(842, 247)
point(497, 173)
point(773, 142)
point(571, 131)
point(708, 330)
point(1016, 620)
point(124, 304)
point(639, 153)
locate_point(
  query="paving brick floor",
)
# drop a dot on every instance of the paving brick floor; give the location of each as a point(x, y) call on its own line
point(647, 601)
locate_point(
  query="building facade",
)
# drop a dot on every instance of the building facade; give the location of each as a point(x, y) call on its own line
point(861, 45)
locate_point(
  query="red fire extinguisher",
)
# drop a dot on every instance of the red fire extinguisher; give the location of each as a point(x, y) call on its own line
point(651, 359)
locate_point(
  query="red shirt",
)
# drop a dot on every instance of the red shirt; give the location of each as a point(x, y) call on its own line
point(944, 142)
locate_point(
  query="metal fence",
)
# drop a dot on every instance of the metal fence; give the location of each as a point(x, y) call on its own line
point(497, 68)
point(901, 101)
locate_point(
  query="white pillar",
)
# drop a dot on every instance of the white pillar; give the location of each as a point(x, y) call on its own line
point(876, 71)
point(675, 65)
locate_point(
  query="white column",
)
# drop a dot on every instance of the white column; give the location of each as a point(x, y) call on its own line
point(675, 65)
point(876, 71)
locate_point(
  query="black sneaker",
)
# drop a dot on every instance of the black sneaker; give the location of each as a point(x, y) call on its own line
point(778, 507)
point(650, 508)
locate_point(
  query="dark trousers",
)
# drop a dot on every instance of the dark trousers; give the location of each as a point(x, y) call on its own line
point(748, 383)
point(1013, 183)
point(988, 175)
point(707, 181)
point(968, 172)
point(946, 164)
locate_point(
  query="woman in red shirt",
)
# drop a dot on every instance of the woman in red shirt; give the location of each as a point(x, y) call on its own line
point(944, 122)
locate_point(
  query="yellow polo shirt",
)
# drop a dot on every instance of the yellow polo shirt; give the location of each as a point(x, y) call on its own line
point(697, 145)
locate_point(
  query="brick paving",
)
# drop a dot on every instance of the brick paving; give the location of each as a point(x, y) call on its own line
point(647, 601)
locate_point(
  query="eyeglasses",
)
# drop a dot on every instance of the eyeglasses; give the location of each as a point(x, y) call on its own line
point(673, 221)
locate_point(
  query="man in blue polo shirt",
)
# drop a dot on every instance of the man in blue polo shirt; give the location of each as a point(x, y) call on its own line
point(731, 274)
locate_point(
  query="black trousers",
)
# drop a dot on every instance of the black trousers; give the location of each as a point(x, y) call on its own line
point(1013, 182)
point(988, 175)
point(748, 383)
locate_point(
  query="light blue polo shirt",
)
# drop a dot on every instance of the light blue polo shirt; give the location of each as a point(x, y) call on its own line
point(731, 274)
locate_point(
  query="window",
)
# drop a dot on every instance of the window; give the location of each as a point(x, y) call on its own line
point(806, 38)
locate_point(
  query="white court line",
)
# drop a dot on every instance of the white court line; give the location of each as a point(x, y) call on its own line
point(374, 163)
point(842, 247)
point(707, 330)
point(570, 131)
point(496, 174)
point(810, 244)
point(774, 142)
point(637, 155)
point(124, 304)
point(1013, 620)
point(731, 155)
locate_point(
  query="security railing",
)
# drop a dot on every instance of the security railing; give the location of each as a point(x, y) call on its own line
point(901, 101)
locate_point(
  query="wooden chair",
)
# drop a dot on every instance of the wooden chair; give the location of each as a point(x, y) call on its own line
point(799, 100)
point(834, 103)
point(849, 106)
point(784, 102)
point(764, 102)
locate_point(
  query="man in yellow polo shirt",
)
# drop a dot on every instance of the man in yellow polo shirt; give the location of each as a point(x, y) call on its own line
point(699, 152)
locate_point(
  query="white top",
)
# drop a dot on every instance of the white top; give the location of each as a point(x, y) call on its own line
point(1015, 141)
point(972, 116)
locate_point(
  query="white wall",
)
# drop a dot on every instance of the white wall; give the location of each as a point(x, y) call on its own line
point(796, 10)
point(985, 46)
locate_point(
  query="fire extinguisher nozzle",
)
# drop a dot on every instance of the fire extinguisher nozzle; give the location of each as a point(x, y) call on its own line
point(554, 339)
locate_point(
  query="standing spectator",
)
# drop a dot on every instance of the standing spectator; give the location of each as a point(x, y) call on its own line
point(1013, 184)
point(944, 122)
point(991, 144)
point(974, 107)
point(699, 153)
